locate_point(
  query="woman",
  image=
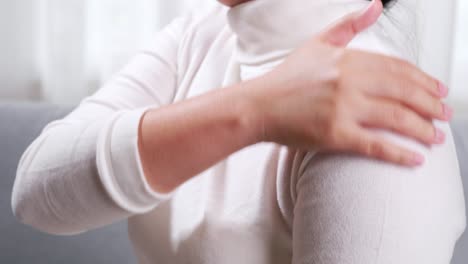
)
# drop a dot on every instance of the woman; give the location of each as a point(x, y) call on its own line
point(226, 142)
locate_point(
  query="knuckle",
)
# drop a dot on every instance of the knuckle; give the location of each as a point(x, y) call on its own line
point(400, 66)
point(399, 116)
point(343, 55)
point(430, 132)
point(393, 65)
point(331, 114)
point(424, 131)
point(376, 148)
point(335, 107)
point(426, 80)
point(436, 107)
point(405, 66)
point(337, 135)
point(332, 133)
point(408, 92)
point(342, 82)
point(401, 157)
point(334, 80)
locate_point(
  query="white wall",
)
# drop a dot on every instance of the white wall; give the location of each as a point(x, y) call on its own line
point(83, 42)
point(459, 77)
point(18, 76)
point(60, 56)
point(62, 50)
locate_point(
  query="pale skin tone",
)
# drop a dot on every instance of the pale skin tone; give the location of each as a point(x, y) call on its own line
point(313, 100)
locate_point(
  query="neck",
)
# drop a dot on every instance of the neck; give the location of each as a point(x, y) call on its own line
point(268, 30)
point(270, 25)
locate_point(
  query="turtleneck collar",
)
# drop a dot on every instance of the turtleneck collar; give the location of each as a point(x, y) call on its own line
point(268, 30)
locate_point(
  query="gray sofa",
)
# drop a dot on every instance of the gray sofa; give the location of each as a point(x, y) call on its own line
point(20, 124)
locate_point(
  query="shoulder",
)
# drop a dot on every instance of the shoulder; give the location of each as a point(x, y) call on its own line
point(395, 34)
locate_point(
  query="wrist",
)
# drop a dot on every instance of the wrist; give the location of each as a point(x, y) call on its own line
point(250, 96)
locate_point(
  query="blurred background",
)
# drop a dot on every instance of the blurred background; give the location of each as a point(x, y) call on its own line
point(62, 50)
point(56, 52)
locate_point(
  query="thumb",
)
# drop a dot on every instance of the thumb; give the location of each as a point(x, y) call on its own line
point(343, 31)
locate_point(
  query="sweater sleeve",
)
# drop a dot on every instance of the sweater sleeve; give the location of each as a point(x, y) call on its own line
point(351, 209)
point(84, 171)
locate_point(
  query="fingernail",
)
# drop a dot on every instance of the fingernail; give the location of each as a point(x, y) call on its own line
point(439, 136)
point(417, 159)
point(443, 89)
point(448, 112)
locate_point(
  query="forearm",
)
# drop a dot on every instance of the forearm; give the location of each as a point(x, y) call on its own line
point(57, 187)
point(181, 140)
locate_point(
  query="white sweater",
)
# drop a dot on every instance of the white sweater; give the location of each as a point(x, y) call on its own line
point(264, 204)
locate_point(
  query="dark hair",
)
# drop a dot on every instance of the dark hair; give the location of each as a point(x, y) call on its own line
point(398, 16)
point(386, 3)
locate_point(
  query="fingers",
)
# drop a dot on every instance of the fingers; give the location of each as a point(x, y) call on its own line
point(406, 92)
point(343, 31)
point(369, 144)
point(397, 118)
point(399, 68)
point(403, 82)
point(412, 96)
point(408, 71)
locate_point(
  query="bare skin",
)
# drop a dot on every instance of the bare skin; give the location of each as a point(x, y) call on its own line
point(311, 100)
point(232, 3)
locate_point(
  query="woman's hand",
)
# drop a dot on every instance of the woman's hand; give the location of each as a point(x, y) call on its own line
point(327, 96)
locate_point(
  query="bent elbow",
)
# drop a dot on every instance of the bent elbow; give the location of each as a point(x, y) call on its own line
point(23, 208)
point(30, 207)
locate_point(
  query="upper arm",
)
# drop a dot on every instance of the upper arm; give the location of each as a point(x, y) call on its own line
point(351, 209)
